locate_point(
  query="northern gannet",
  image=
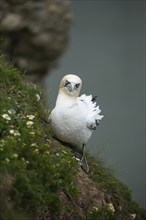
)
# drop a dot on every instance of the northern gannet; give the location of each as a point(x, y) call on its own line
point(74, 118)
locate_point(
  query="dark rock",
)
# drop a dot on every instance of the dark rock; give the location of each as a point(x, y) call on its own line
point(36, 32)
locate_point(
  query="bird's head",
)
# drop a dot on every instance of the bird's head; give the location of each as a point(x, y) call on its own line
point(70, 85)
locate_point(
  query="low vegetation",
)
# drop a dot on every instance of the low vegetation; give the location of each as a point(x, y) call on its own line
point(39, 177)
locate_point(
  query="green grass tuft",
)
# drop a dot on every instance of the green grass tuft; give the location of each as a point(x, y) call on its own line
point(38, 170)
point(35, 169)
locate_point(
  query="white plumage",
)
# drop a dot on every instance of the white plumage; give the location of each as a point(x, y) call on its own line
point(74, 118)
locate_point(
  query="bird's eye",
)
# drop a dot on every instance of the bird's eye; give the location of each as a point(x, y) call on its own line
point(77, 85)
point(66, 83)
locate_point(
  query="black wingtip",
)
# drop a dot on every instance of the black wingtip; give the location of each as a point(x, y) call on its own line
point(94, 98)
point(97, 122)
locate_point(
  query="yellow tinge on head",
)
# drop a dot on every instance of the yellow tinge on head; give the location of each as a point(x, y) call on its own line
point(70, 85)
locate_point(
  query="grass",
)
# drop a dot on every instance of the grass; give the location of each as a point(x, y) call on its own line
point(35, 169)
point(121, 195)
point(39, 168)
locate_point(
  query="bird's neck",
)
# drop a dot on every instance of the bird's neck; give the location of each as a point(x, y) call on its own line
point(65, 100)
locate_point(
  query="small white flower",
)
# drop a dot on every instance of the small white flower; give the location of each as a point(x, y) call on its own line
point(14, 132)
point(36, 151)
point(34, 85)
point(33, 145)
point(6, 116)
point(11, 131)
point(29, 123)
point(11, 111)
point(7, 160)
point(30, 117)
point(133, 216)
point(2, 142)
point(57, 154)
point(63, 151)
point(111, 207)
point(95, 208)
point(15, 155)
point(120, 208)
point(37, 97)
point(77, 159)
point(48, 141)
point(32, 133)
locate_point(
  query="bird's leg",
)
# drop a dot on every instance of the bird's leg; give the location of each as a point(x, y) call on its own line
point(83, 161)
point(83, 152)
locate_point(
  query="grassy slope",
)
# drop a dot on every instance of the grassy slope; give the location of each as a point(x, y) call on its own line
point(40, 178)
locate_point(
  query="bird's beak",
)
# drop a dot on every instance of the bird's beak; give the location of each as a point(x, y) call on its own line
point(70, 86)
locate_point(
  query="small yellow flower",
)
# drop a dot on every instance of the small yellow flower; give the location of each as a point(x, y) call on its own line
point(29, 123)
point(6, 116)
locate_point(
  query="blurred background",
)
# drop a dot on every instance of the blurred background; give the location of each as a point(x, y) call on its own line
point(103, 42)
point(107, 50)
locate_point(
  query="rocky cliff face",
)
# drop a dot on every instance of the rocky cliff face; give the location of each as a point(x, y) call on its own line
point(36, 33)
point(39, 177)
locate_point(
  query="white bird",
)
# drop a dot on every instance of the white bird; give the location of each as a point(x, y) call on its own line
point(74, 118)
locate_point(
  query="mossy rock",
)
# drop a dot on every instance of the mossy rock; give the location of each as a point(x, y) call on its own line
point(39, 177)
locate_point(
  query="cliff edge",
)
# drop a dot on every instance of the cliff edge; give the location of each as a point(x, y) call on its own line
point(39, 177)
